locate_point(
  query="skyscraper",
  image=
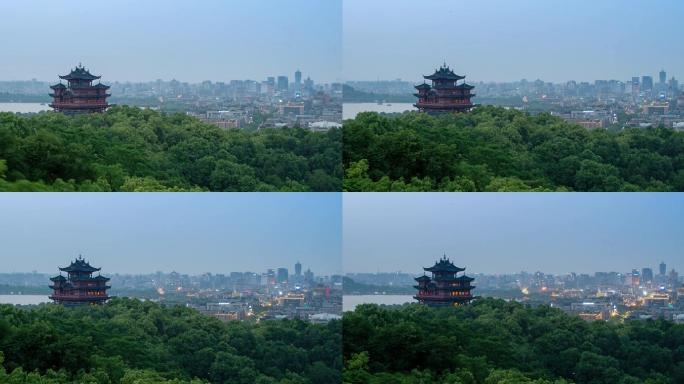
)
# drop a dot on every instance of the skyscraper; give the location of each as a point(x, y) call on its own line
point(635, 84)
point(646, 83)
point(282, 275)
point(298, 269)
point(646, 275)
point(662, 268)
point(283, 83)
point(298, 81)
point(662, 76)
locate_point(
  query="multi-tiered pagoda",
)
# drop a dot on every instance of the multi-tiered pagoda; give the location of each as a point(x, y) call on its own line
point(80, 95)
point(445, 287)
point(80, 286)
point(445, 94)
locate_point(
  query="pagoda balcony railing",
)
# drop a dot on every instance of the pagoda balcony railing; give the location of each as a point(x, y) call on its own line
point(445, 296)
point(443, 105)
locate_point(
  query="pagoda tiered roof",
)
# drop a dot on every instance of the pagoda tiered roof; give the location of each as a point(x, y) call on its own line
point(80, 73)
point(80, 265)
point(60, 85)
point(444, 265)
point(444, 73)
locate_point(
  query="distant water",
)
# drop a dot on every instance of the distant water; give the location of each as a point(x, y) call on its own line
point(23, 299)
point(23, 107)
point(349, 302)
point(350, 110)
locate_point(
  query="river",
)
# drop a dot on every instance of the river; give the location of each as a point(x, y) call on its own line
point(349, 302)
point(23, 107)
point(23, 299)
point(350, 110)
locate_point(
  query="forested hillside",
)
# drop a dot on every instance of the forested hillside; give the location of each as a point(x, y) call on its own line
point(495, 149)
point(493, 341)
point(128, 341)
point(131, 149)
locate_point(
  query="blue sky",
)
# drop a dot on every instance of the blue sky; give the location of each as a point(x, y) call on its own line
point(511, 232)
point(191, 41)
point(186, 232)
point(503, 40)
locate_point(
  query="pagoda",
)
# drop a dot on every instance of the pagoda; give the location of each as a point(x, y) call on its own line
point(80, 286)
point(80, 95)
point(445, 287)
point(445, 94)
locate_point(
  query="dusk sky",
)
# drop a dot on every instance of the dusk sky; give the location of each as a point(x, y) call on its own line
point(191, 41)
point(511, 232)
point(187, 232)
point(503, 40)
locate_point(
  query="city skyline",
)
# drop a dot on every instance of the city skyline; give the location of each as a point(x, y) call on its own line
point(191, 233)
point(535, 39)
point(219, 41)
point(509, 233)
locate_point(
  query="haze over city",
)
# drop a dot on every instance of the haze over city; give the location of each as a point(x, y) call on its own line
point(190, 233)
point(500, 40)
point(216, 40)
point(507, 233)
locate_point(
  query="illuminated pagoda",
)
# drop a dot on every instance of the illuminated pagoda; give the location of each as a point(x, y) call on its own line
point(445, 287)
point(445, 94)
point(80, 95)
point(80, 286)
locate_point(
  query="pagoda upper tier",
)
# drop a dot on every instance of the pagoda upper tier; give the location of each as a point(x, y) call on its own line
point(445, 94)
point(80, 73)
point(80, 95)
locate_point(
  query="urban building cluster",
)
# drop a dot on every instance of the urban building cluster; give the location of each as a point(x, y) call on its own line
point(640, 294)
point(273, 294)
point(642, 101)
point(277, 101)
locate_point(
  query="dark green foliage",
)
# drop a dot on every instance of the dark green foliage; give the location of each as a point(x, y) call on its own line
point(493, 341)
point(129, 341)
point(131, 149)
point(495, 149)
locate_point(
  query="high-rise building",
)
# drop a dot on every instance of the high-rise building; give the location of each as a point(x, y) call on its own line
point(298, 81)
point(662, 268)
point(282, 275)
point(635, 277)
point(662, 76)
point(646, 83)
point(635, 84)
point(309, 276)
point(298, 269)
point(283, 83)
point(646, 275)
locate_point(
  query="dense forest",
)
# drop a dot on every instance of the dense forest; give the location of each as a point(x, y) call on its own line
point(496, 149)
point(128, 341)
point(132, 149)
point(493, 341)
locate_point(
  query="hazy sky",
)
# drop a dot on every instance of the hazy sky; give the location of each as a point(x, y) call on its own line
point(187, 40)
point(186, 232)
point(503, 40)
point(511, 232)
